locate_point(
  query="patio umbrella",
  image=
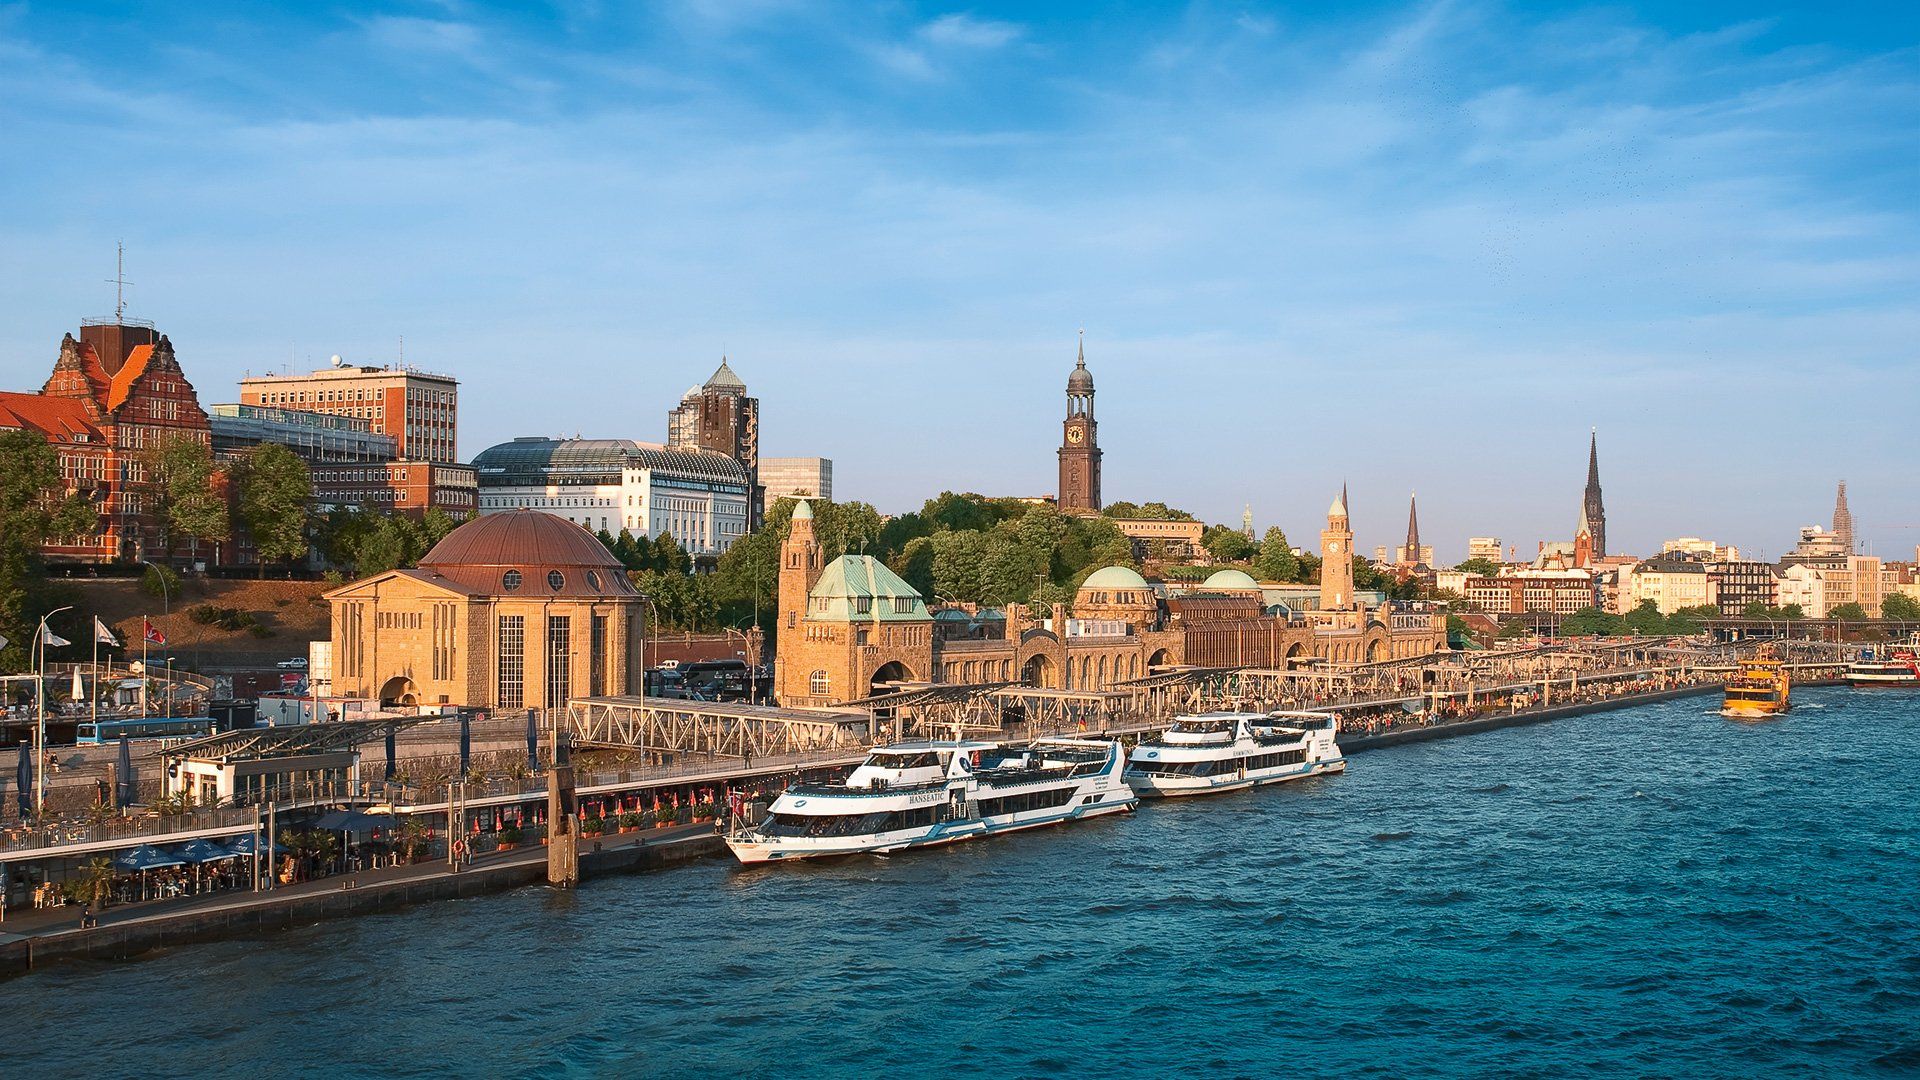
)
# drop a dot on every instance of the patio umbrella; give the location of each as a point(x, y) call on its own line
point(243, 848)
point(23, 779)
point(123, 797)
point(201, 851)
point(533, 741)
point(142, 859)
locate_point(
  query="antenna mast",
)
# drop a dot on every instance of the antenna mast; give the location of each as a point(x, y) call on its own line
point(119, 281)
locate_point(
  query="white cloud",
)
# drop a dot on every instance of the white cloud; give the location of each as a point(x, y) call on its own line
point(965, 31)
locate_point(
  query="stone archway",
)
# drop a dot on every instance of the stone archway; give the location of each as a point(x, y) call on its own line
point(1295, 651)
point(1040, 671)
point(890, 672)
point(1161, 658)
point(1376, 650)
point(399, 690)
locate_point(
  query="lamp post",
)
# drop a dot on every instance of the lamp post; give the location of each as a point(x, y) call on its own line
point(166, 609)
point(40, 699)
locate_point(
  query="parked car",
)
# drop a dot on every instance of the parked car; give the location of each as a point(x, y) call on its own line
point(297, 663)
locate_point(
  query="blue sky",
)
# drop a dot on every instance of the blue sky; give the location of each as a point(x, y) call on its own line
point(1411, 247)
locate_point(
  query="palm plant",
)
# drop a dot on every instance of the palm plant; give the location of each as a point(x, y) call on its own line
point(92, 884)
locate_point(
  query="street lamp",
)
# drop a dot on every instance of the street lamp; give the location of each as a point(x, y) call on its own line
point(40, 698)
point(166, 609)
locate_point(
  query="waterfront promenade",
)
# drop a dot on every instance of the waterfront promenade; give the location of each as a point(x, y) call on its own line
point(33, 938)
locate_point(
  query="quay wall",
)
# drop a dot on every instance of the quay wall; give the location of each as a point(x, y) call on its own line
point(251, 914)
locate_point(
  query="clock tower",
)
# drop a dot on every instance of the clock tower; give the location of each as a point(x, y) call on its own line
point(1080, 444)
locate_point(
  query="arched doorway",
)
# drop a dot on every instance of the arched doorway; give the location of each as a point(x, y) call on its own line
point(890, 672)
point(1161, 658)
point(1039, 671)
point(1376, 650)
point(399, 691)
point(1294, 652)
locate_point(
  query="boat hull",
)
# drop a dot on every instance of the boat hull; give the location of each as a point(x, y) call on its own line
point(1149, 786)
point(752, 851)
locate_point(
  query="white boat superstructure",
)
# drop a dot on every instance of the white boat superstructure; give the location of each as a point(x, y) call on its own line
point(1224, 751)
point(918, 794)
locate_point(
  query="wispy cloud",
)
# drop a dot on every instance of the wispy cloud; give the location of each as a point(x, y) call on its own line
point(965, 31)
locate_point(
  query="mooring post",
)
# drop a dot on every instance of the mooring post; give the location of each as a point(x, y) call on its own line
point(563, 838)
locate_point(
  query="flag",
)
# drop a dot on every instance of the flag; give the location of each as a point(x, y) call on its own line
point(51, 640)
point(103, 635)
point(153, 634)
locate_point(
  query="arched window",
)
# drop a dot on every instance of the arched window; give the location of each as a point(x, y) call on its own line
point(818, 684)
point(510, 580)
point(1102, 680)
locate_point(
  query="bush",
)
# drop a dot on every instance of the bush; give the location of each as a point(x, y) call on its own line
point(261, 631)
point(666, 815)
point(204, 614)
point(160, 583)
point(508, 835)
point(703, 812)
point(593, 826)
point(629, 820)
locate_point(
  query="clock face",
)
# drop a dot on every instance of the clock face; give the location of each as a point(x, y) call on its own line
point(1075, 435)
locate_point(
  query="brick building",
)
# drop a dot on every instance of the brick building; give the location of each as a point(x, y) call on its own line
point(418, 409)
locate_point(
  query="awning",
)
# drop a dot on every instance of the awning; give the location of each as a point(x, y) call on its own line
point(145, 857)
point(202, 851)
point(244, 847)
point(353, 821)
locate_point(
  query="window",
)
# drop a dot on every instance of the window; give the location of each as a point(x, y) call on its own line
point(818, 684)
point(559, 661)
point(510, 580)
point(597, 657)
point(593, 581)
point(556, 580)
point(510, 689)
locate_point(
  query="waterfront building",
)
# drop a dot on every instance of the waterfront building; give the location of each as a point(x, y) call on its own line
point(719, 417)
point(1486, 547)
point(1557, 588)
point(508, 611)
point(420, 410)
point(790, 477)
point(1080, 444)
point(1336, 557)
point(1671, 580)
point(699, 497)
point(115, 392)
point(1805, 585)
point(1592, 506)
point(1737, 582)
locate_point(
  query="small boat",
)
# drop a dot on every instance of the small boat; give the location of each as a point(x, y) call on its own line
point(920, 794)
point(1226, 751)
point(1759, 689)
point(1896, 666)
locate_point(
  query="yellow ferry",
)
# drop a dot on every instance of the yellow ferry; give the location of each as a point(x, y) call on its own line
point(1759, 689)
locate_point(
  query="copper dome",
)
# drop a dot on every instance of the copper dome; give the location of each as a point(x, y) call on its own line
point(521, 538)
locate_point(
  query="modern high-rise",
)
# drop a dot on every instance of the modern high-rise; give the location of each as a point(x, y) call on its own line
point(786, 477)
point(1486, 547)
point(420, 410)
point(719, 417)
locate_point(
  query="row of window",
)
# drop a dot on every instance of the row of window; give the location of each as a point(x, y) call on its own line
point(1025, 801)
point(512, 580)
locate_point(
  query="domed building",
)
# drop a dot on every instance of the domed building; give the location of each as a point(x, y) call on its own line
point(509, 611)
point(1117, 593)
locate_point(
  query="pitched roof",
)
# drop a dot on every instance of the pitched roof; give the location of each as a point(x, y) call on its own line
point(724, 379)
point(58, 419)
point(128, 374)
point(851, 579)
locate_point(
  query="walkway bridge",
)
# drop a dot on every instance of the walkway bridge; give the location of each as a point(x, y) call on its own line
point(673, 726)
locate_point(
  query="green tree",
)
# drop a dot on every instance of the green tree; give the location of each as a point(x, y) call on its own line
point(1899, 606)
point(384, 547)
point(181, 484)
point(274, 489)
point(1592, 622)
point(1646, 619)
point(34, 508)
point(1480, 567)
point(1793, 611)
point(1847, 611)
point(1276, 561)
point(1226, 544)
point(1756, 610)
point(1691, 620)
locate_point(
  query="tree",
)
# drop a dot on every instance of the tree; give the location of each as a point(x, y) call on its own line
point(1848, 610)
point(1276, 561)
point(1592, 622)
point(1480, 567)
point(182, 485)
point(1756, 609)
point(1646, 619)
point(274, 488)
point(1899, 606)
point(1227, 544)
point(34, 507)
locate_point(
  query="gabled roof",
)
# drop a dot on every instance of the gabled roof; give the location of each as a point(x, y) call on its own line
point(57, 419)
point(128, 374)
point(850, 579)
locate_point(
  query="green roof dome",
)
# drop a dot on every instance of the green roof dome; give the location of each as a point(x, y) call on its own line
point(1230, 581)
point(1116, 578)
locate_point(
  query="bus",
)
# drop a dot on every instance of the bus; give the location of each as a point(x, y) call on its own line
point(89, 733)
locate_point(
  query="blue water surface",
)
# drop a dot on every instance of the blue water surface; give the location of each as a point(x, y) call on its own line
point(1651, 892)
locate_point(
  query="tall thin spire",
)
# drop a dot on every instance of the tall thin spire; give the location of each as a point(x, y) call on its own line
point(1593, 509)
point(119, 281)
point(1593, 458)
point(1843, 519)
point(1413, 528)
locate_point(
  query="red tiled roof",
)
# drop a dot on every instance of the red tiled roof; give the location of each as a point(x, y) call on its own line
point(59, 419)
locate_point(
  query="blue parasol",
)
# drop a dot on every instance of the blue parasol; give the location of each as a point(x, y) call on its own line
point(145, 857)
point(202, 851)
point(244, 847)
point(23, 779)
point(125, 781)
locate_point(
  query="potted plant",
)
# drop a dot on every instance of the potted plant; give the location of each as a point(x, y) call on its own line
point(629, 821)
point(593, 826)
point(508, 838)
point(665, 816)
point(703, 812)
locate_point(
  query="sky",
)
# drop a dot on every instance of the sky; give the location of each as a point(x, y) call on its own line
point(1407, 247)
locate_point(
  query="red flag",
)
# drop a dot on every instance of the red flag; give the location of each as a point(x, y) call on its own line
point(153, 634)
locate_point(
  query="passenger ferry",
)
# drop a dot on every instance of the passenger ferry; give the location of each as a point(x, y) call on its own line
point(1223, 751)
point(1896, 666)
point(1759, 689)
point(918, 794)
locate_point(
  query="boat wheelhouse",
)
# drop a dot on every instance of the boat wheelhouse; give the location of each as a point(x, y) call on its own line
point(1226, 751)
point(919, 794)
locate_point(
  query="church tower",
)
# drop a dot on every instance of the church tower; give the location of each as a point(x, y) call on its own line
point(801, 562)
point(1080, 444)
point(1843, 520)
point(1593, 510)
point(1336, 557)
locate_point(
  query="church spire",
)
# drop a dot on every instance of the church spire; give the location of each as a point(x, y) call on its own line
point(1413, 528)
point(1593, 510)
point(1843, 519)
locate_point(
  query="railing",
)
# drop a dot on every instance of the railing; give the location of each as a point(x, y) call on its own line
point(153, 828)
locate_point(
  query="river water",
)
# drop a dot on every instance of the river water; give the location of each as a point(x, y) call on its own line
point(1655, 891)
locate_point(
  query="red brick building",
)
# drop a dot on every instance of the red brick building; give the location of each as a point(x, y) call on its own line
point(114, 392)
point(403, 486)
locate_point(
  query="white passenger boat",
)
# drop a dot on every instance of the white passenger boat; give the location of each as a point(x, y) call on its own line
point(919, 794)
point(1224, 751)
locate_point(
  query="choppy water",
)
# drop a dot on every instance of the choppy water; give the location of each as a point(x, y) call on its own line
point(1652, 892)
